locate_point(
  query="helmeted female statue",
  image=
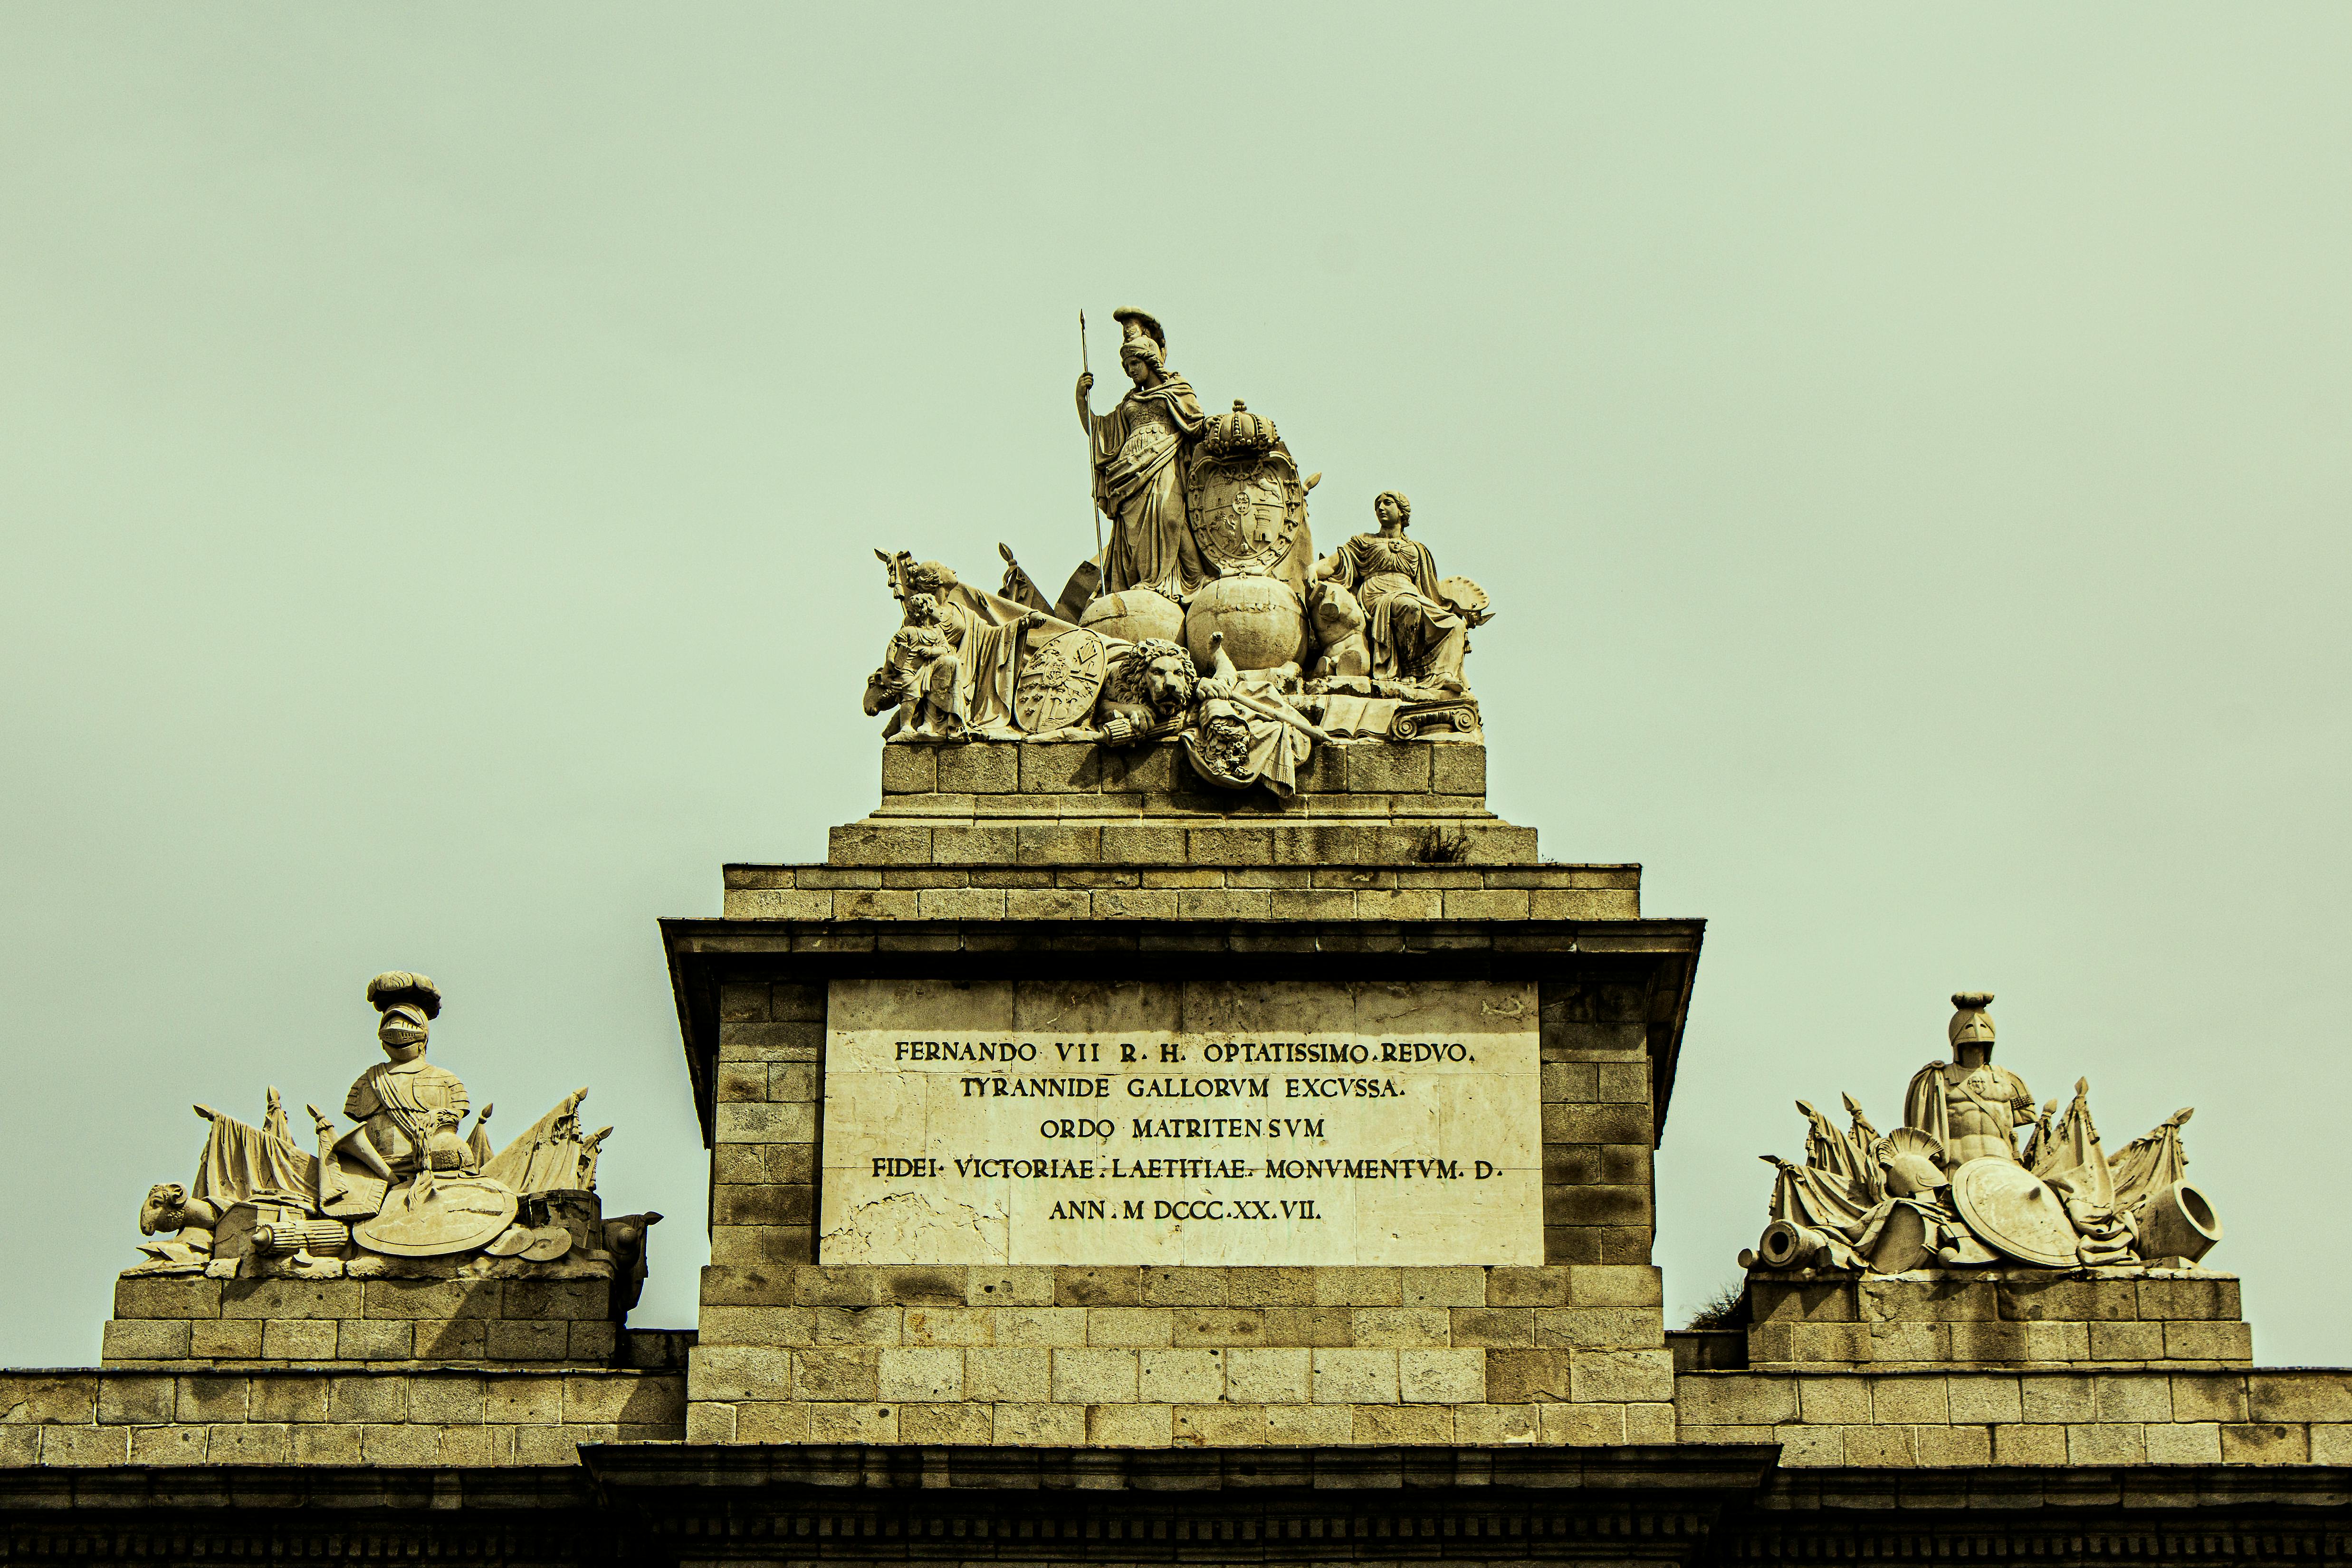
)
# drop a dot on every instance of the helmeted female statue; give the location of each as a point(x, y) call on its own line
point(1141, 450)
point(1415, 633)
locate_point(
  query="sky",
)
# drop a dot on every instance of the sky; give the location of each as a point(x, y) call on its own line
point(442, 449)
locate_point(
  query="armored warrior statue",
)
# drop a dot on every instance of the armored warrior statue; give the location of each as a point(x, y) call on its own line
point(1141, 451)
point(1971, 1106)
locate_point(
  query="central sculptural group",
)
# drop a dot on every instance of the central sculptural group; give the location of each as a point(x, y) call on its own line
point(1205, 616)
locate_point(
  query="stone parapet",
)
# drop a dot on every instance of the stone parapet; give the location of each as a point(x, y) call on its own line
point(1144, 1357)
point(443, 1417)
point(1182, 893)
point(168, 1323)
point(2047, 1416)
point(2083, 1319)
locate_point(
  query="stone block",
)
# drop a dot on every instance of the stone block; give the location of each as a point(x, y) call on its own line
point(1099, 1287)
point(2106, 1443)
point(1832, 1401)
point(956, 1326)
point(2059, 1400)
point(2303, 1395)
point(166, 1445)
point(1491, 1425)
point(167, 1296)
point(1130, 1328)
point(2185, 1443)
point(943, 1424)
point(1620, 1375)
point(298, 1298)
point(2209, 1340)
point(1909, 1400)
point(1002, 1375)
point(1953, 1448)
point(1403, 1425)
point(212, 1397)
point(453, 1338)
point(261, 1442)
point(756, 1421)
point(1347, 1286)
point(1004, 1286)
point(851, 1326)
point(512, 1339)
point(2068, 1300)
point(2133, 1396)
point(136, 1401)
point(366, 1397)
point(49, 1399)
point(1985, 1398)
point(299, 1339)
point(1448, 1287)
point(84, 1446)
point(1526, 1377)
point(910, 769)
point(1493, 1327)
point(1441, 1376)
point(1278, 1286)
point(421, 1299)
point(836, 1375)
point(1603, 1425)
point(1094, 1376)
point(2331, 1443)
point(2129, 1341)
point(2189, 1298)
point(1739, 1399)
point(1459, 768)
point(739, 1371)
point(1219, 1425)
point(400, 1444)
point(1811, 1447)
point(525, 1399)
point(289, 1398)
point(143, 1339)
point(1602, 1328)
point(1355, 1376)
point(922, 1376)
point(1041, 1425)
point(2209, 1396)
point(593, 1342)
point(2265, 1443)
point(1882, 1448)
point(1269, 1376)
point(1047, 1327)
point(1183, 1376)
point(1398, 1327)
point(224, 1339)
point(1196, 1326)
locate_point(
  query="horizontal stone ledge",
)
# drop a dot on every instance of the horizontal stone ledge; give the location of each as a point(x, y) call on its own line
point(860, 1285)
point(1540, 877)
point(1102, 1474)
point(1533, 939)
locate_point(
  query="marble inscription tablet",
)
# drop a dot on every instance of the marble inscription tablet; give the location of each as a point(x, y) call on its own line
point(1201, 1123)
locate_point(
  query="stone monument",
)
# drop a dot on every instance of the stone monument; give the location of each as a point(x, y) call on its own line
point(1180, 1119)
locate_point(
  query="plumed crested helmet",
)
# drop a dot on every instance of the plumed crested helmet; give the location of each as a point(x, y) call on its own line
point(1972, 1024)
point(408, 1001)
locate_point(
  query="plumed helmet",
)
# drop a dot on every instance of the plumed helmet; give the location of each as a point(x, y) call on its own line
point(1972, 1024)
point(1909, 1156)
point(400, 988)
point(1134, 325)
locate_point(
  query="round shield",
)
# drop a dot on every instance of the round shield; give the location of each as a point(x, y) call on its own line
point(548, 1243)
point(2014, 1212)
point(1058, 681)
point(458, 1215)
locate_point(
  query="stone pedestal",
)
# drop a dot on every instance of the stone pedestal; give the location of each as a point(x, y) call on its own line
point(1996, 1318)
point(1329, 1120)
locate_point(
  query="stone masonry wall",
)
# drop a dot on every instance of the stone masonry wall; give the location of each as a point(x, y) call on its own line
point(2089, 1319)
point(1144, 1357)
point(424, 1416)
point(177, 1322)
point(2046, 1416)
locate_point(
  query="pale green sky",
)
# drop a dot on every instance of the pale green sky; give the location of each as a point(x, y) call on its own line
point(441, 448)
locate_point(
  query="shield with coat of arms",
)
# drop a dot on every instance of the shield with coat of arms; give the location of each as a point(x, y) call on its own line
point(1245, 501)
point(1058, 681)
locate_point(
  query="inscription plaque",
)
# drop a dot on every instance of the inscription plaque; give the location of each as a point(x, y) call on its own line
point(1193, 1123)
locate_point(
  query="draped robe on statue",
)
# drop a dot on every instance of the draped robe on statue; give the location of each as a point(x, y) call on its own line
point(1414, 633)
point(985, 629)
point(1141, 448)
